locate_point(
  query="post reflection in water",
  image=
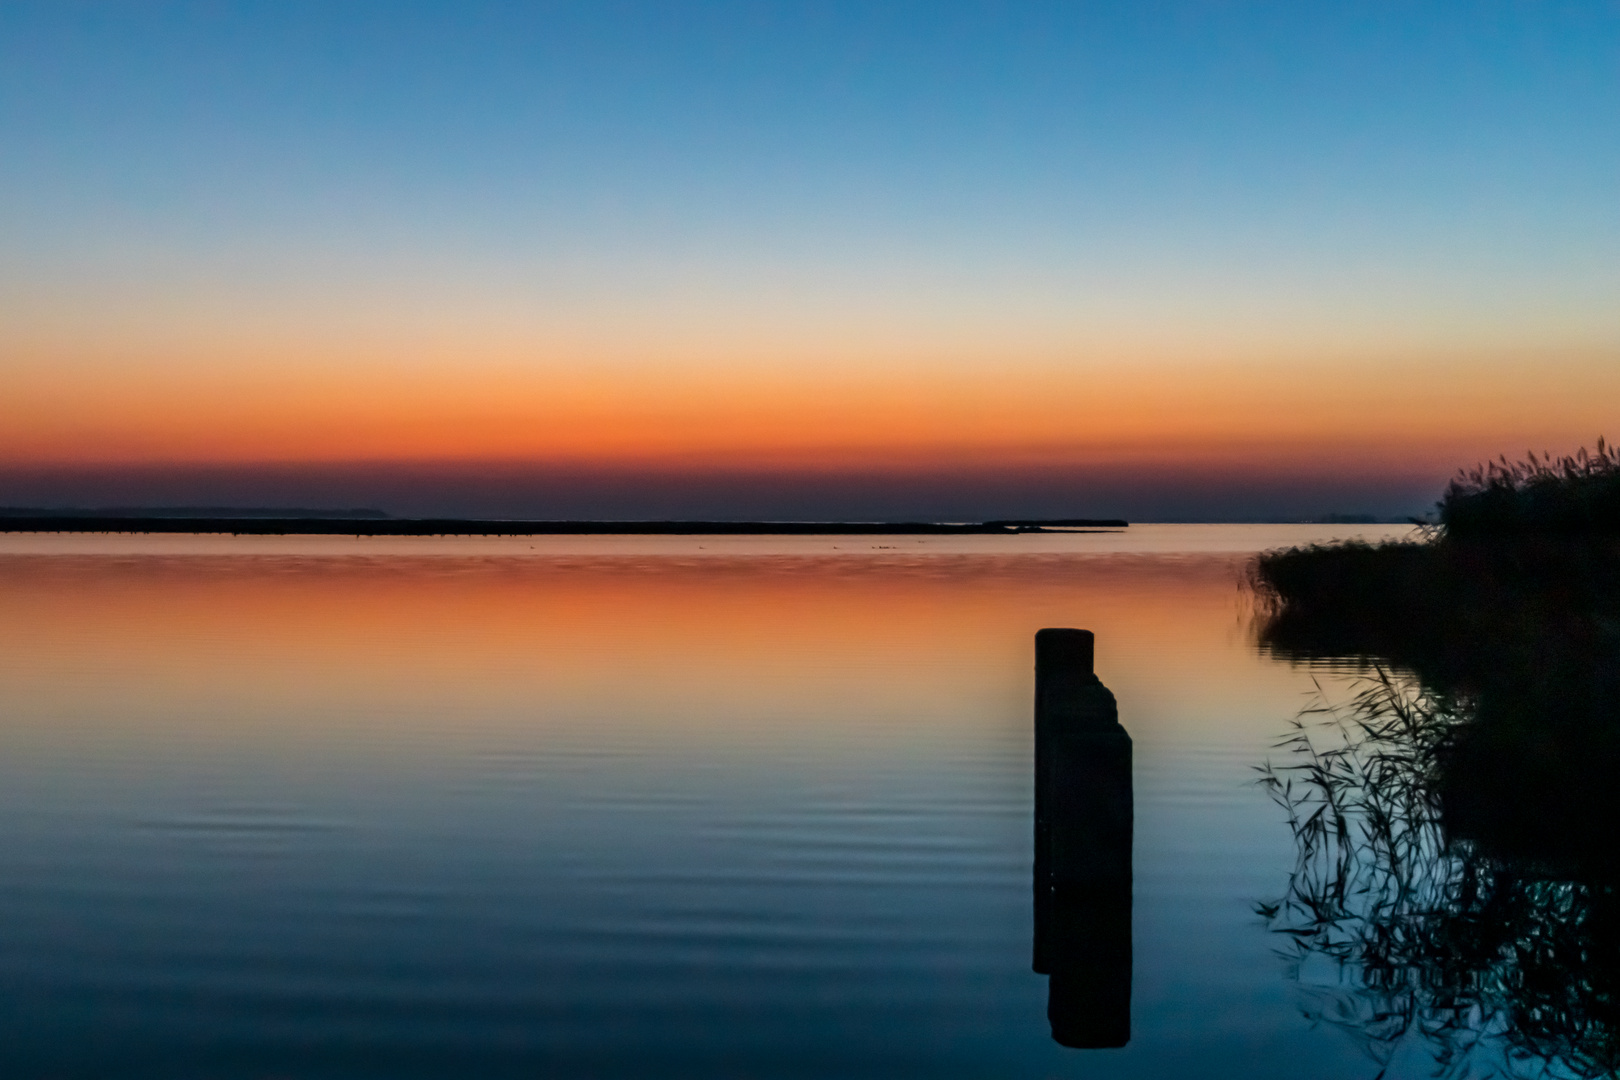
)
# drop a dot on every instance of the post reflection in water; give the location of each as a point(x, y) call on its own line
point(1083, 822)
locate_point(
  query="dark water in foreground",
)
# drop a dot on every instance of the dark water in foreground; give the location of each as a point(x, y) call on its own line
point(327, 808)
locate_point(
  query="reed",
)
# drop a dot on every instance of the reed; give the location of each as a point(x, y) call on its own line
point(1453, 820)
point(1521, 552)
point(1579, 493)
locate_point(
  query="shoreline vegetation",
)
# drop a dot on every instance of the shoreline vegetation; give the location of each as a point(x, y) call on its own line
point(1454, 820)
point(374, 523)
point(1532, 547)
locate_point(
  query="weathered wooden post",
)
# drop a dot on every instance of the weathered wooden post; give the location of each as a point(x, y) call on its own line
point(1083, 823)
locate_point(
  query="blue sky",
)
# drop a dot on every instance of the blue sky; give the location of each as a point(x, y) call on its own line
point(797, 188)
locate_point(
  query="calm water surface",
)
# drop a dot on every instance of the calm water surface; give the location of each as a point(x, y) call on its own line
point(646, 806)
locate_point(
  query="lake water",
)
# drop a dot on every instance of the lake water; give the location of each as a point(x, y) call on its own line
point(602, 807)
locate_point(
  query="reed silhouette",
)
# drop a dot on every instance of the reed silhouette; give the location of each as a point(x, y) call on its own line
point(1521, 552)
point(1455, 819)
point(1575, 494)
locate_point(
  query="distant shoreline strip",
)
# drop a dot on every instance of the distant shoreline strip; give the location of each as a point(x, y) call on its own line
point(74, 523)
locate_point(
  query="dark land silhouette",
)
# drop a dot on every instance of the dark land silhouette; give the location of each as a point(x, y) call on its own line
point(221, 512)
point(1083, 828)
point(373, 523)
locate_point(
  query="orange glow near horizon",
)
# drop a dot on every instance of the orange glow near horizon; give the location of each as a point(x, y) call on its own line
point(1231, 415)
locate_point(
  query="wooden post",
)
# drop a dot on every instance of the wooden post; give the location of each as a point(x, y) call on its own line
point(1083, 825)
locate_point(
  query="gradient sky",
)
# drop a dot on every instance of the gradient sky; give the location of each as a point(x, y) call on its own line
point(818, 259)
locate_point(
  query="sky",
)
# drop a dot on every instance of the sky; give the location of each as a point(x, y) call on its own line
point(1174, 261)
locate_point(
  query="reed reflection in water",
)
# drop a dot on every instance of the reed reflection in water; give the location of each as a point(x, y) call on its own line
point(1455, 897)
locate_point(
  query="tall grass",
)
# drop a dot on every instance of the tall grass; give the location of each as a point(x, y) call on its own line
point(1573, 494)
point(1522, 552)
point(1454, 824)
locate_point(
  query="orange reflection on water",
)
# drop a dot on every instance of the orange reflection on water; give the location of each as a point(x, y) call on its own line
point(745, 651)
